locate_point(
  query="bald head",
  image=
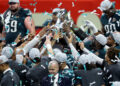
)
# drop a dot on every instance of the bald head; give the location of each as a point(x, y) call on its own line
point(53, 67)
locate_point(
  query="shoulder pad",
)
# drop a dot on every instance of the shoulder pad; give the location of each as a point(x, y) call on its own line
point(27, 12)
point(118, 11)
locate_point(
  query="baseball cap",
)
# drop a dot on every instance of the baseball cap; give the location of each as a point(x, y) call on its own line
point(33, 53)
point(14, 1)
point(86, 58)
point(116, 37)
point(101, 39)
point(105, 5)
point(19, 58)
point(56, 50)
point(60, 57)
point(56, 10)
point(7, 51)
point(3, 59)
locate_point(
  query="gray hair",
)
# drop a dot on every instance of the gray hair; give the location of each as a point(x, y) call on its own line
point(53, 62)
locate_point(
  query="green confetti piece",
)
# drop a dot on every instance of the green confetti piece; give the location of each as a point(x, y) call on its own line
point(20, 83)
point(50, 75)
point(19, 24)
point(76, 29)
point(79, 63)
point(84, 67)
point(50, 53)
point(6, 27)
point(79, 77)
point(76, 67)
point(34, 61)
point(49, 14)
point(27, 32)
point(46, 63)
point(65, 51)
point(78, 39)
point(61, 75)
point(30, 3)
point(44, 46)
point(119, 55)
point(63, 33)
point(11, 51)
point(84, 14)
point(19, 64)
point(78, 54)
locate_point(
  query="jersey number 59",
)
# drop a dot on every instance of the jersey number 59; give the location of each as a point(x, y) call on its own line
point(12, 27)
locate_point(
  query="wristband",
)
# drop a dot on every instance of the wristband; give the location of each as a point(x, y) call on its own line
point(49, 46)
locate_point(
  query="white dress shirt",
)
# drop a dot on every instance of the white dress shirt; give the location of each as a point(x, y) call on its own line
point(56, 80)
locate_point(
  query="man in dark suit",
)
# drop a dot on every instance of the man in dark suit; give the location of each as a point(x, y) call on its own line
point(40, 70)
point(9, 78)
point(55, 78)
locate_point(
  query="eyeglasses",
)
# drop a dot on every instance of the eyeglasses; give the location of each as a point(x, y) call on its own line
point(10, 3)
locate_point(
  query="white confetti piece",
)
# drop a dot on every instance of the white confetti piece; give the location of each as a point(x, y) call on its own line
point(59, 4)
point(94, 11)
point(34, 10)
point(96, 14)
point(73, 4)
point(92, 83)
point(81, 11)
point(99, 73)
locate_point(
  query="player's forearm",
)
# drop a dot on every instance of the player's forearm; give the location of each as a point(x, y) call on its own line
point(29, 24)
point(3, 34)
point(31, 44)
point(74, 51)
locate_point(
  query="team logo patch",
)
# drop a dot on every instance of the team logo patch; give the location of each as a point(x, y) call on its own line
point(17, 16)
point(114, 19)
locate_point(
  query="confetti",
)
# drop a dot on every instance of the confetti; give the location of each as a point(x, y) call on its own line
point(44, 46)
point(84, 15)
point(93, 11)
point(59, 4)
point(73, 4)
point(91, 84)
point(76, 29)
point(34, 61)
point(84, 67)
point(79, 77)
point(34, 3)
point(31, 4)
point(65, 51)
point(119, 55)
point(46, 13)
point(27, 32)
point(34, 10)
point(78, 39)
point(76, 67)
point(81, 11)
point(50, 75)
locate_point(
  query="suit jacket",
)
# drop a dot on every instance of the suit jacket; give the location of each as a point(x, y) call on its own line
point(21, 70)
point(62, 81)
point(37, 73)
point(10, 78)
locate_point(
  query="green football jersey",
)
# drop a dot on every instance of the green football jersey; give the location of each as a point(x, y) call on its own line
point(14, 24)
point(111, 24)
